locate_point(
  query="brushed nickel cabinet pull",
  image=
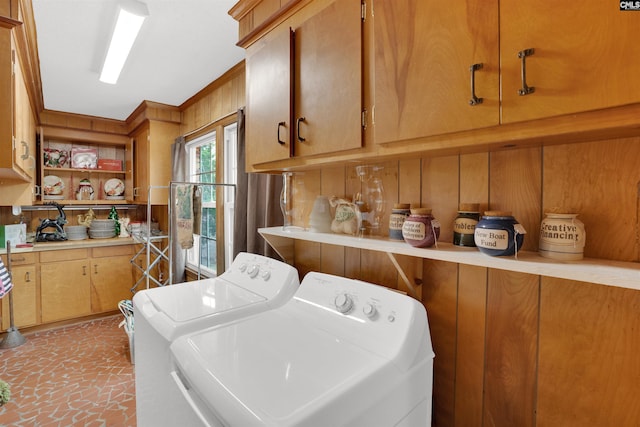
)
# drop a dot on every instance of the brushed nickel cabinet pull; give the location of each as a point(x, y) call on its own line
point(525, 90)
point(301, 119)
point(281, 124)
point(474, 99)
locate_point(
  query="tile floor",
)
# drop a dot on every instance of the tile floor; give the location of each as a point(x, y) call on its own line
point(78, 375)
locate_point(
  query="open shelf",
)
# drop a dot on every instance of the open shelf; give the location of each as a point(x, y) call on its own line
point(603, 272)
point(98, 171)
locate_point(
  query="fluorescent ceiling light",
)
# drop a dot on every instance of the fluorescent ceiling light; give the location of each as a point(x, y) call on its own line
point(130, 19)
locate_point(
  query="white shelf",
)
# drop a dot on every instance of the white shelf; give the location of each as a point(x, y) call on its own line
point(603, 272)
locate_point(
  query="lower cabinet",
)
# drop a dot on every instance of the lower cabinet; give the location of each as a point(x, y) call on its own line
point(65, 284)
point(25, 291)
point(80, 282)
point(111, 277)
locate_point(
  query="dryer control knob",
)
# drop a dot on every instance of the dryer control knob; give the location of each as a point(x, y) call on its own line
point(243, 267)
point(344, 303)
point(369, 310)
point(265, 275)
point(253, 270)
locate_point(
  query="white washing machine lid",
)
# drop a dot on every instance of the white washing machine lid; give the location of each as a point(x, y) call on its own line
point(274, 369)
point(186, 302)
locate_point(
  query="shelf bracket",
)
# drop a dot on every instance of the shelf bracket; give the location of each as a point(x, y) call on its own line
point(284, 246)
point(404, 264)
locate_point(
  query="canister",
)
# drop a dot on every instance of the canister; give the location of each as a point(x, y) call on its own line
point(562, 236)
point(464, 225)
point(399, 213)
point(499, 234)
point(421, 229)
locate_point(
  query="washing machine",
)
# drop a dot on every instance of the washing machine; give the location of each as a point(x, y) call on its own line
point(340, 353)
point(251, 285)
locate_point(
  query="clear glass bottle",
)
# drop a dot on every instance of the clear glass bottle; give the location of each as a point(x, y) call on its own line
point(370, 199)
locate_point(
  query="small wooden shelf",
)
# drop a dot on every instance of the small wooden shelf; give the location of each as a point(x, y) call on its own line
point(603, 272)
point(84, 202)
point(83, 170)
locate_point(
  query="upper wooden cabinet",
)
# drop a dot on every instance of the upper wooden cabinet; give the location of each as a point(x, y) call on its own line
point(585, 57)
point(304, 84)
point(17, 120)
point(152, 160)
point(436, 67)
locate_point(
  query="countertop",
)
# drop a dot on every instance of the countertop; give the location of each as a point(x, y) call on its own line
point(72, 244)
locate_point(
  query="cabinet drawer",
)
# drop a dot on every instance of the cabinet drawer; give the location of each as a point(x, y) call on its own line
point(107, 251)
point(20, 258)
point(65, 255)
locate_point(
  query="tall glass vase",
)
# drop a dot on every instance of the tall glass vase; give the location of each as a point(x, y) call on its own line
point(370, 199)
point(293, 201)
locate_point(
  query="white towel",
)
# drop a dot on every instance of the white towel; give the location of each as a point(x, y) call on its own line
point(5, 280)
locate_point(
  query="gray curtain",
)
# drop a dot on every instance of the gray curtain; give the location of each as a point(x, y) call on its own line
point(257, 203)
point(178, 174)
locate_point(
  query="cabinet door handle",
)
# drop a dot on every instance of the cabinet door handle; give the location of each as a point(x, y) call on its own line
point(18, 259)
point(525, 90)
point(27, 277)
point(25, 153)
point(95, 268)
point(84, 270)
point(281, 124)
point(474, 99)
point(301, 119)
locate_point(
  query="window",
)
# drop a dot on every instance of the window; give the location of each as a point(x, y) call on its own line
point(203, 153)
point(202, 168)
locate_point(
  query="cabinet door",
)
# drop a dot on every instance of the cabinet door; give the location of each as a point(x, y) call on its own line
point(424, 51)
point(328, 80)
point(65, 290)
point(24, 126)
point(111, 282)
point(141, 165)
point(25, 312)
point(585, 57)
point(269, 102)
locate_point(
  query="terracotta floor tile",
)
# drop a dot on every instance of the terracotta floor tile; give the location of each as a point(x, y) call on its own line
point(79, 375)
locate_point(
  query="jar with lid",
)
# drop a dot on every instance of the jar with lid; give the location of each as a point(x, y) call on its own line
point(499, 234)
point(399, 213)
point(465, 224)
point(562, 236)
point(421, 229)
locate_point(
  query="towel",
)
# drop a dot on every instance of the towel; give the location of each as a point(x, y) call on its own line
point(184, 215)
point(5, 280)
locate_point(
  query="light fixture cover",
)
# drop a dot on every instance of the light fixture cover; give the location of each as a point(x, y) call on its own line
point(130, 19)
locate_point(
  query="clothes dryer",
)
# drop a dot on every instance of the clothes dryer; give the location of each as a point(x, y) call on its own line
point(340, 353)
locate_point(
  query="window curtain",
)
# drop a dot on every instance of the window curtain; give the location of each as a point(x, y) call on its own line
point(257, 203)
point(178, 174)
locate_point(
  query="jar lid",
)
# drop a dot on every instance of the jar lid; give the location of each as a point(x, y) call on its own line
point(497, 213)
point(560, 210)
point(401, 206)
point(469, 207)
point(421, 211)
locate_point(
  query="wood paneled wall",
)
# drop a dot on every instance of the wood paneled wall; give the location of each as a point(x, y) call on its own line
point(222, 97)
point(516, 349)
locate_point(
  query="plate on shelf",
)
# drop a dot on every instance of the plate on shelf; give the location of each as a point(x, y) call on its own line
point(53, 197)
point(114, 197)
point(114, 187)
point(53, 185)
